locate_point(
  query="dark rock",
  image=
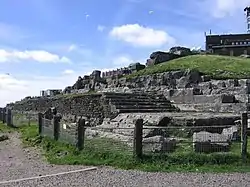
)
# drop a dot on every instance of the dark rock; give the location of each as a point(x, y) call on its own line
point(228, 98)
point(3, 137)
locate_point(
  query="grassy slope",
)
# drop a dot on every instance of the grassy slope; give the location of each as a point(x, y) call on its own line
point(219, 67)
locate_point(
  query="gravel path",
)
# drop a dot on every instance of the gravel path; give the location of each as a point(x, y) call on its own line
point(16, 162)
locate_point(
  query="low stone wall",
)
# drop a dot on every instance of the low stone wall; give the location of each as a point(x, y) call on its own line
point(89, 106)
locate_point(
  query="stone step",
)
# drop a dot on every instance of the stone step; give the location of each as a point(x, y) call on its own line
point(132, 95)
point(213, 107)
point(141, 107)
point(113, 94)
point(144, 110)
point(135, 100)
point(135, 97)
point(179, 120)
point(167, 103)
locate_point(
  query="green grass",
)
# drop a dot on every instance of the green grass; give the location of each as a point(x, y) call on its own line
point(5, 129)
point(218, 67)
point(110, 153)
point(75, 95)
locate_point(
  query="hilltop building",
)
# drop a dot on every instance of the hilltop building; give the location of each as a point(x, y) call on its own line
point(230, 44)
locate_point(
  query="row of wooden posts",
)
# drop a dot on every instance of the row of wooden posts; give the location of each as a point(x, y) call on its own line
point(138, 132)
point(6, 117)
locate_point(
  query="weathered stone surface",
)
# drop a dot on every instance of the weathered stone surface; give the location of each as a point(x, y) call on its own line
point(232, 133)
point(234, 108)
point(228, 98)
point(99, 133)
point(3, 137)
point(210, 142)
point(89, 106)
point(158, 144)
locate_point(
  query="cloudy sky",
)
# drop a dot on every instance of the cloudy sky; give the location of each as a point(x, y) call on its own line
point(47, 44)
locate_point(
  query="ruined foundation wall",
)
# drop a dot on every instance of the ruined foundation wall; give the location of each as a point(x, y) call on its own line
point(89, 106)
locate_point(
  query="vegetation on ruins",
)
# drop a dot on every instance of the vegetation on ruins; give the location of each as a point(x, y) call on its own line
point(120, 157)
point(218, 67)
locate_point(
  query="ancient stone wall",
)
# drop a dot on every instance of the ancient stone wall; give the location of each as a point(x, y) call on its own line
point(89, 106)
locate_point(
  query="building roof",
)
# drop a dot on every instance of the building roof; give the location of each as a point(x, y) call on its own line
point(225, 35)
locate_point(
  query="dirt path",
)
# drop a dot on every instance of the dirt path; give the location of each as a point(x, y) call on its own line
point(16, 162)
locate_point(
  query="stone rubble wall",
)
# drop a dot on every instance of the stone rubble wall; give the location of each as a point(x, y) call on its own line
point(89, 106)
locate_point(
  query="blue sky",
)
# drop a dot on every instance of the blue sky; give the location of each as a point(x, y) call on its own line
point(47, 44)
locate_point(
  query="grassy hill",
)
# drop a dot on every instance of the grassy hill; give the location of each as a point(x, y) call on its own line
point(218, 67)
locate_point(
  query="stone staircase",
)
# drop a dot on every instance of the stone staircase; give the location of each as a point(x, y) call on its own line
point(138, 102)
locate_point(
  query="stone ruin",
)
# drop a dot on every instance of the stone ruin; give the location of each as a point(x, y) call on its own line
point(178, 98)
point(181, 98)
point(198, 99)
point(174, 52)
point(86, 83)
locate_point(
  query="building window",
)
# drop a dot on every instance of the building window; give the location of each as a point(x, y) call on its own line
point(232, 43)
point(236, 43)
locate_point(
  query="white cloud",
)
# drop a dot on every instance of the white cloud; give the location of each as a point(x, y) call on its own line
point(72, 47)
point(151, 12)
point(100, 28)
point(8, 82)
point(16, 88)
point(12, 33)
point(138, 35)
point(224, 8)
point(122, 61)
point(36, 55)
point(80, 49)
point(68, 72)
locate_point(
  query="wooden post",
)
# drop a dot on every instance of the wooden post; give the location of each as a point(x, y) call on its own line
point(40, 123)
point(138, 138)
point(56, 127)
point(4, 115)
point(9, 118)
point(1, 114)
point(244, 124)
point(29, 118)
point(80, 134)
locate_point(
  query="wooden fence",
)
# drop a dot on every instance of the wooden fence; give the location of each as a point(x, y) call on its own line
point(78, 133)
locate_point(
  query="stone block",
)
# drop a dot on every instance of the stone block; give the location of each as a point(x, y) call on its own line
point(228, 98)
point(158, 144)
point(210, 142)
point(233, 133)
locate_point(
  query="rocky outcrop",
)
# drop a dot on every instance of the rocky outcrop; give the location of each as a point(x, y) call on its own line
point(159, 57)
